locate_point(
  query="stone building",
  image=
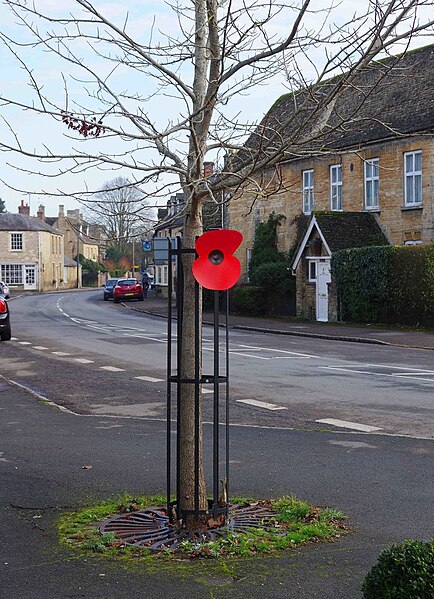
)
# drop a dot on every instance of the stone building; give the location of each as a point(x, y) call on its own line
point(31, 252)
point(375, 156)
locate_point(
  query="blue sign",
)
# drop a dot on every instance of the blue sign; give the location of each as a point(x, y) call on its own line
point(147, 245)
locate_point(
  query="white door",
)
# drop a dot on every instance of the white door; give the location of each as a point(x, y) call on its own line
point(29, 276)
point(322, 292)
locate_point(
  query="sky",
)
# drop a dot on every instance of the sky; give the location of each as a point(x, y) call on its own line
point(146, 19)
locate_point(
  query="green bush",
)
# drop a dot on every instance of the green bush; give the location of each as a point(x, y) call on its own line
point(386, 284)
point(403, 571)
point(264, 248)
point(250, 300)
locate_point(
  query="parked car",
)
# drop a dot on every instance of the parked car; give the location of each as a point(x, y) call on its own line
point(128, 289)
point(4, 290)
point(109, 288)
point(5, 322)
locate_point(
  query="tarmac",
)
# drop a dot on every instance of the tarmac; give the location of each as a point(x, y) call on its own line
point(382, 335)
point(52, 462)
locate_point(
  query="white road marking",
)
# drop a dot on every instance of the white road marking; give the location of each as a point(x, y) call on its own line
point(60, 353)
point(366, 428)
point(112, 368)
point(279, 351)
point(236, 353)
point(150, 379)
point(83, 360)
point(24, 342)
point(14, 339)
point(41, 347)
point(204, 391)
point(261, 404)
point(392, 375)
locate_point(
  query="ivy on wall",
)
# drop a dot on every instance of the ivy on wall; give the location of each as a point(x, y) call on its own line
point(387, 284)
point(272, 286)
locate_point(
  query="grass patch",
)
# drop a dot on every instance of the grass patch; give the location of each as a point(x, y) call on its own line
point(295, 523)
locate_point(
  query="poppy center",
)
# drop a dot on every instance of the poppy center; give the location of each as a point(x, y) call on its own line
point(216, 257)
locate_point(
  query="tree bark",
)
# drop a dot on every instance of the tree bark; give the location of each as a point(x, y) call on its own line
point(192, 230)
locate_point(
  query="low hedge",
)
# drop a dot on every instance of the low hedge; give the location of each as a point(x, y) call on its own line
point(250, 300)
point(403, 571)
point(386, 284)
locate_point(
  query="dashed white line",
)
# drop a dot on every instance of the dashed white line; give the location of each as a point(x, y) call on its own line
point(237, 353)
point(365, 428)
point(24, 342)
point(149, 379)
point(83, 360)
point(261, 404)
point(41, 347)
point(60, 353)
point(112, 368)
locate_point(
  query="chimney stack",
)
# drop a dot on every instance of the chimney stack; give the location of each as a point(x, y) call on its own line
point(24, 209)
point(41, 212)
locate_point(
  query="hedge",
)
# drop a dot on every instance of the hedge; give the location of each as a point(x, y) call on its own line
point(386, 284)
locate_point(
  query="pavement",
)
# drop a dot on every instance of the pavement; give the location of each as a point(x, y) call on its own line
point(383, 483)
point(405, 337)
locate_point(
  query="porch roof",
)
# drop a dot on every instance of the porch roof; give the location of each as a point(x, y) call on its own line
point(341, 231)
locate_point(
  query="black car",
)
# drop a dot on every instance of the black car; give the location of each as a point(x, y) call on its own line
point(108, 288)
point(5, 323)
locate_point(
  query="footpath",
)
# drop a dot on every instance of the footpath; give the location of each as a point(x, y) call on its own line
point(290, 326)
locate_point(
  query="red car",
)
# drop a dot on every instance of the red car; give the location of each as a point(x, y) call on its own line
point(128, 289)
point(5, 323)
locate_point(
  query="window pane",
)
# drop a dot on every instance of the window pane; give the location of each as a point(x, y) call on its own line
point(409, 163)
point(368, 170)
point(369, 194)
point(333, 174)
point(409, 187)
point(339, 173)
point(418, 189)
point(375, 168)
point(376, 195)
point(418, 161)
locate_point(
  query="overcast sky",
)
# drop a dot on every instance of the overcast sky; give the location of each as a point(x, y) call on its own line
point(38, 131)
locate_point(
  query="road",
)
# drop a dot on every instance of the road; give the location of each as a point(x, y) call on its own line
point(96, 357)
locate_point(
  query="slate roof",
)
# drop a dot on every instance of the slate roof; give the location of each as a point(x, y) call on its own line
point(389, 98)
point(343, 230)
point(21, 222)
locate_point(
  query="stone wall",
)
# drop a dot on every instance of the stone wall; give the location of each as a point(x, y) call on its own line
point(282, 193)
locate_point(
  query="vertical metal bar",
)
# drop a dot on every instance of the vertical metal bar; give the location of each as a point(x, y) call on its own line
point(179, 304)
point(216, 406)
point(196, 397)
point(227, 403)
point(169, 384)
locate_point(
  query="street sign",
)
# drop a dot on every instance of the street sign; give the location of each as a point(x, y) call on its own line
point(161, 249)
point(147, 245)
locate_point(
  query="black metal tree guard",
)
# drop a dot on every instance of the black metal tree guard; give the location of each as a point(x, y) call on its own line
point(159, 528)
point(215, 507)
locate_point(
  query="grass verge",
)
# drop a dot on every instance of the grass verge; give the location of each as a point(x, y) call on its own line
point(295, 523)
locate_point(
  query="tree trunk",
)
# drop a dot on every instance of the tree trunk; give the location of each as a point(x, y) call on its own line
point(192, 230)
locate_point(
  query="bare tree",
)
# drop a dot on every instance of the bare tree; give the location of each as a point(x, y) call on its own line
point(122, 209)
point(173, 101)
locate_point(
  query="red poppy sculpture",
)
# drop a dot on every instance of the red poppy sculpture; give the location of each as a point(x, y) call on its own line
point(216, 267)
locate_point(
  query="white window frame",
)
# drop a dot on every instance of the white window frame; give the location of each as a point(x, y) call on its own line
point(372, 183)
point(312, 270)
point(308, 191)
point(412, 179)
point(17, 240)
point(336, 187)
point(12, 274)
point(161, 275)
